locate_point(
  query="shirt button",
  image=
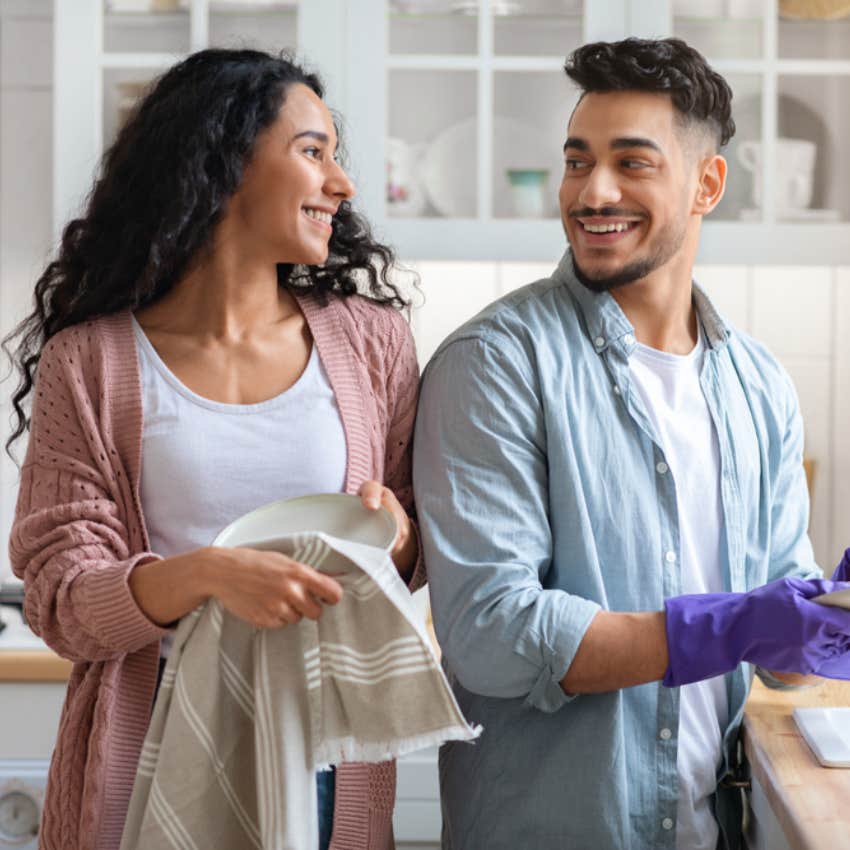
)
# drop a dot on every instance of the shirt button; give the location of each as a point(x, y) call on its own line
point(670, 557)
point(665, 734)
point(616, 390)
point(667, 823)
point(599, 341)
point(628, 339)
point(661, 468)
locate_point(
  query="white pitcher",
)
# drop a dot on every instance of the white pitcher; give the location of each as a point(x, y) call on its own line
point(795, 167)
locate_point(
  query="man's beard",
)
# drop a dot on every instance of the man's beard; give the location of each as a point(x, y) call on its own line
point(633, 271)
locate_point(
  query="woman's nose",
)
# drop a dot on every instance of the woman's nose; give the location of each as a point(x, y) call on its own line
point(338, 184)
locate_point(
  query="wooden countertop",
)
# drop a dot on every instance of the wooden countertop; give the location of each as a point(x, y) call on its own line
point(811, 802)
point(33, 665)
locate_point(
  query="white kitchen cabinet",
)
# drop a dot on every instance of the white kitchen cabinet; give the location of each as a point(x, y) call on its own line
point(763, 830)
point(455, 110)
point(463, 114)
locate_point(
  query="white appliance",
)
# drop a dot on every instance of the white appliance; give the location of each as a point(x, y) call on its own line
point(22, 783)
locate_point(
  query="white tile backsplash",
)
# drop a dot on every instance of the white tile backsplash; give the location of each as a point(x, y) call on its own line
point(512, 276)
point(812, 379)
point(792, 309)
point(453, 292)
point(730, 289)
point(839, 451)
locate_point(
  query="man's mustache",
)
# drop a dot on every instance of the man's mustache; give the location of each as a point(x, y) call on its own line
point(612, 212)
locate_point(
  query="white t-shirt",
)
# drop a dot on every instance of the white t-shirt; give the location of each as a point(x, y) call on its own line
point(205, 463)
point(669, 387)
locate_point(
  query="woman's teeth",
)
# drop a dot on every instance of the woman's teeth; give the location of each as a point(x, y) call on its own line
point(319, 215)
point(606, 228)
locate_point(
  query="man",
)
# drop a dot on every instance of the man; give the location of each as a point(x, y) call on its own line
point(612, 501)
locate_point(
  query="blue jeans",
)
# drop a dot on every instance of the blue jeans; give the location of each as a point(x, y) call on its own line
point(326, 790)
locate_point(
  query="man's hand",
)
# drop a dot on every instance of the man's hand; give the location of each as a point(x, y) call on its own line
point(776, 626)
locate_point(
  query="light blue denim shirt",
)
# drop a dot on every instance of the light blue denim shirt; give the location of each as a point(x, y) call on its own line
point(539, 500)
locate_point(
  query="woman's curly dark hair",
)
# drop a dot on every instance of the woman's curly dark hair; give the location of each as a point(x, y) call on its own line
point(163, 187)
point(668, 65)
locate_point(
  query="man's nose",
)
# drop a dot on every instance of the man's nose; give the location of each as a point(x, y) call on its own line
point(600, 189)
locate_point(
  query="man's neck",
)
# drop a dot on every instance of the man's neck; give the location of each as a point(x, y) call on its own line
point(660, 307)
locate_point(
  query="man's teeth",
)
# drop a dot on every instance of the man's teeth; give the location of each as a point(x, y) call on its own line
point(606, 228)
point(319, 215)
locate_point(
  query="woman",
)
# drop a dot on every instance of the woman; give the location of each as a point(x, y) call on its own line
point(201, 350)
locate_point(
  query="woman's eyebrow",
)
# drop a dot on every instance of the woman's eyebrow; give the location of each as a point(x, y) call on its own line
point(318, 135)
point(313, 134)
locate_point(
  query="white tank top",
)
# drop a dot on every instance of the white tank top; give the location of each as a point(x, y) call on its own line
point(205, 463)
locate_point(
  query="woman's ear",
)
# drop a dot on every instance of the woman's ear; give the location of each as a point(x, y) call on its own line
point(712, 182)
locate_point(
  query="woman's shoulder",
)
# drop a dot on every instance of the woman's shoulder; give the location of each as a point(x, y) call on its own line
point(89, 335)
point(85, 352)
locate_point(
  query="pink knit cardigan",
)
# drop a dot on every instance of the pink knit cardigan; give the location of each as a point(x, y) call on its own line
point(79, 531)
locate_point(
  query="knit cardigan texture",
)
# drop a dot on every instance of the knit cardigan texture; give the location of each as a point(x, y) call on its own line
point(79, 532)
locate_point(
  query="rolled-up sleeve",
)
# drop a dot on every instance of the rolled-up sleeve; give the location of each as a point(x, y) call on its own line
point(481, 487)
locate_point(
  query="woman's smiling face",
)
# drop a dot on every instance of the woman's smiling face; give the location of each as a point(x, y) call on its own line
point(292, 184)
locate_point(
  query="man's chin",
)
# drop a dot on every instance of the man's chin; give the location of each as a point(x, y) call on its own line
point(604, 280)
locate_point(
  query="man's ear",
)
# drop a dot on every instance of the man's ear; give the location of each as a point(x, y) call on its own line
point(712, 182)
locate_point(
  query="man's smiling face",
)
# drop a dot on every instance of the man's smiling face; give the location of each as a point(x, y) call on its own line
point(629, 182)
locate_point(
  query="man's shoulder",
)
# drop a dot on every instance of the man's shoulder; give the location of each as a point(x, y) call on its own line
point(755, 358)
point(766, 382)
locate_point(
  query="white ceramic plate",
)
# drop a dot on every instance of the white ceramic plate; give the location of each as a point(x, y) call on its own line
point(448, 170)
point(337, 514)
point(827, 732)
point(836, 599)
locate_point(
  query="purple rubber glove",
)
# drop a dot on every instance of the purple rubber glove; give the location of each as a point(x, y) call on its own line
point(842, 571)
point(774, 626)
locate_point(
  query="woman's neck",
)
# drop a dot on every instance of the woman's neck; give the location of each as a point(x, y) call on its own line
point(224, 297)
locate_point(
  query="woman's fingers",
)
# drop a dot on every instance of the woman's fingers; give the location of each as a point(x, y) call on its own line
point(371, 494)
point(374, 495)
point(319, 585)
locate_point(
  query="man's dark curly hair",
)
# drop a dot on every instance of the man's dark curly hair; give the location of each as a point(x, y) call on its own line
point(162, 188)
point(669, 66)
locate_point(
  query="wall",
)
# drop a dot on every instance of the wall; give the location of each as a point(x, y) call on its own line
point(26, 138)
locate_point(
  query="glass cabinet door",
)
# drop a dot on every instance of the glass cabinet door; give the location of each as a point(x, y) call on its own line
point(141, 38)
point(813, 111)
point(477, 105)
point(788, 62)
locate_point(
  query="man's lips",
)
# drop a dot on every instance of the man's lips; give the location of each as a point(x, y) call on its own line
point(605, 230)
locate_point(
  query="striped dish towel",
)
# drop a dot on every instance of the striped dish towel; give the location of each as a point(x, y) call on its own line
point(245, 717)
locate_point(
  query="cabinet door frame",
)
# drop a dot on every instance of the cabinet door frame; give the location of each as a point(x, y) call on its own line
point(80, 60)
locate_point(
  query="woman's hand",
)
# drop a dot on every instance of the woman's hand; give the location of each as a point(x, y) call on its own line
point(265, 589)
point(269, 589)
point(374, 495)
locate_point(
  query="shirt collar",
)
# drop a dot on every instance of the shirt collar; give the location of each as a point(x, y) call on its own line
point(606, 324)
